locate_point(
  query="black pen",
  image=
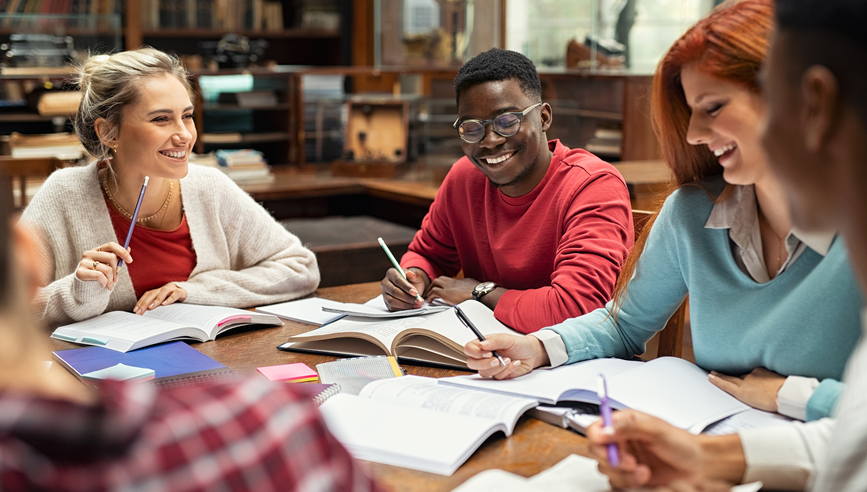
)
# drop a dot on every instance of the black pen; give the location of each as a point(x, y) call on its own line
point(469, 324)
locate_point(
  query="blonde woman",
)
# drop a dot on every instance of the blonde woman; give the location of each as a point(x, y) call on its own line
point(126, 436)
point(199, 238)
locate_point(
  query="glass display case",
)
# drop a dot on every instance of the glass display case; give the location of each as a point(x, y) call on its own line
point(434, 32)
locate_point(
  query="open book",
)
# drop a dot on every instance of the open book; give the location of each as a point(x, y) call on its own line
point(124, 331)
point(672, 389)
point(413, 422)
point(431, 339)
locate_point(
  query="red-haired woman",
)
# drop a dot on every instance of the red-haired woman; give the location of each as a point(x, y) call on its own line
point(774, 312)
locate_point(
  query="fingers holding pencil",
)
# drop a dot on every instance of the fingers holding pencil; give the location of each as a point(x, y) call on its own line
point(100, 264)
point(401, 293)
point(521, 354)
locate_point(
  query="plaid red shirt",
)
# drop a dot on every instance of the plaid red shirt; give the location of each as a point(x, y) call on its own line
point(246, 435)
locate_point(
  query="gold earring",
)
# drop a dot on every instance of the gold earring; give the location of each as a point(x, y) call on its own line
point(115, 149)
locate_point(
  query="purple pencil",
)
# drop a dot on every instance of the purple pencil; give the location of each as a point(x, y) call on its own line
point(144, 187)
point(607, 423)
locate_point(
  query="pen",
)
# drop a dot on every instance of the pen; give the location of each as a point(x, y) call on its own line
point(469, 324)
point(607, 424)
point(395, 263)
point(144, 187)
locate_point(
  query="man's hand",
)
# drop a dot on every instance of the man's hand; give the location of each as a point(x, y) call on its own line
point(452, 290)
point(757, 389)
point(522, 354)
point(399, 293)
point(654, 453)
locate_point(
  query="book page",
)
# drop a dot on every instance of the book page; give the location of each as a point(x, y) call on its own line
point(376, 308)
point(393, 434)
point(751, 419)
point(676, 391)
point(204, 317)
point(550, 385)
point(121, 330)
point(421, 392)
point(382, 331)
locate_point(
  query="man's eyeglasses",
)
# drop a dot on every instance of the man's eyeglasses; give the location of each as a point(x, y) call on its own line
point(505, 125)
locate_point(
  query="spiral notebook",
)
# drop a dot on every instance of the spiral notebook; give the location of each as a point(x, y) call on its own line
point(174, 363)
point(318, 392)
point(354, 374)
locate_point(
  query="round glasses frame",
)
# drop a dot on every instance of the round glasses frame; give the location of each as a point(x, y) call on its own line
point(462, 131)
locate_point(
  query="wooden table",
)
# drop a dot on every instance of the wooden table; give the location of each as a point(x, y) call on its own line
point(534, 446)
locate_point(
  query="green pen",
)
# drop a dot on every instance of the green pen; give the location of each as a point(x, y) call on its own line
point(396, 264)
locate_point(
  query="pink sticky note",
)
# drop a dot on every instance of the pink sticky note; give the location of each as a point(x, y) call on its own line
point(288, 372)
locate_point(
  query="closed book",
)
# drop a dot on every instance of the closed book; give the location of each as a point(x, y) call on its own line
point(174, 363)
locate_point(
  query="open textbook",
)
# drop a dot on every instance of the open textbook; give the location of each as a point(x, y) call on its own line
point(433, 338)
point(124, 331)
point(413, 422)
point(672, 389)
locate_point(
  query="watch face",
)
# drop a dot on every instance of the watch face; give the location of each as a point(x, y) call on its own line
point(485, 287)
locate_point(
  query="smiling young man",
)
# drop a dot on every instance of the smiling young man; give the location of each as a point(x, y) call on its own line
point(539, 230)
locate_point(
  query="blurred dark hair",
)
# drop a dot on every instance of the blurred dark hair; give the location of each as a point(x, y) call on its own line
point(830, 33)
point(5, 243)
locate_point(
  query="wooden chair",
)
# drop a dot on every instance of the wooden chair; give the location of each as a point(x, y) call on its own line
point(18, 169)
point(671, 337)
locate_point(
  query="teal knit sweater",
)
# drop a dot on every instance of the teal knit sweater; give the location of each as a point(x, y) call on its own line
point(804, 322)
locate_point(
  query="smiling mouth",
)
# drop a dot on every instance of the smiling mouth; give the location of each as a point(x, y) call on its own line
point(497, 160)
point(722, 150)
point(174, 154)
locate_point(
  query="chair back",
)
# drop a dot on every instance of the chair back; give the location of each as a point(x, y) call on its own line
point(671, 336)
point(15, 171)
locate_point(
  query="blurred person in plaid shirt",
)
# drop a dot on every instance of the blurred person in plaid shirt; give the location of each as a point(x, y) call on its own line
point(242, 435)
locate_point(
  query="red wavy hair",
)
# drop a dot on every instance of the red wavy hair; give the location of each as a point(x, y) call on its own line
point(728, 44)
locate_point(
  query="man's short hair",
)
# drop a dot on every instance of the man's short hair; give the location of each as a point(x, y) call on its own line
point(830, 33)
point(495, 65)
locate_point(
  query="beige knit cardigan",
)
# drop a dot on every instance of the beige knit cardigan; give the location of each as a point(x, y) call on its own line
point(243, 256)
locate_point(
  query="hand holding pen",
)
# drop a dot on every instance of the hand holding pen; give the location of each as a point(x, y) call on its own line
point(469, 324)
point(399, 286)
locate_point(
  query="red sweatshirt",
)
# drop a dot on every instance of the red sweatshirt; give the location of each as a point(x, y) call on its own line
point(558, 248)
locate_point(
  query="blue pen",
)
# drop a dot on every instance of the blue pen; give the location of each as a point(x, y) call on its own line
point(144, 187)
point(607, 423)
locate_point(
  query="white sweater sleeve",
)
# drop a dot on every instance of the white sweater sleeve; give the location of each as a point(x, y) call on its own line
point(785, 457)
point(244, 257)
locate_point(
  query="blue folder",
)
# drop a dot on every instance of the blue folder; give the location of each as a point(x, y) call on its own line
point(174, 363)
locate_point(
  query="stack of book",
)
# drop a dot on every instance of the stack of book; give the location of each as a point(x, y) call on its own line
point(256, 15)
point(607, 142)
point(64, 146)
point(243, 166)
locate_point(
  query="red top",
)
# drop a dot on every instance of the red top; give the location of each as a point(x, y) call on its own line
point(558, 248)
point(159, 257)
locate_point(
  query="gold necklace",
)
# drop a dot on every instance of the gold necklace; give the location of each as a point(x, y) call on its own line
point(781, 241)
point(128, 215)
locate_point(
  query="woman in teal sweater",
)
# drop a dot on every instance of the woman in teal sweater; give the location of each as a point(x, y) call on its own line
point(774, 312)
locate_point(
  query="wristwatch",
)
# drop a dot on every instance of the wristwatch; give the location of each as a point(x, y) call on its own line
point(482, 289)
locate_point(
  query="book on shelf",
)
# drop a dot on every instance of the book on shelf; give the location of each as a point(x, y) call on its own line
point(61, 145)
point(437, 338)
point(415, 423)
point(173, 363)
point(672, 389)
point(124, 331)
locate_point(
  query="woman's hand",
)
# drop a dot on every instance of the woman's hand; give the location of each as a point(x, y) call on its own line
point(757, 389)
point(165, 295)
point(100, 264)
point(522, 354)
